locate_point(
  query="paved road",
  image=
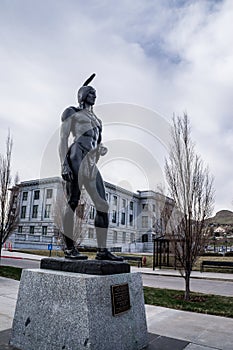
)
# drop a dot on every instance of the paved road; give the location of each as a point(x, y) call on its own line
point(25, 264)
point(197, 285)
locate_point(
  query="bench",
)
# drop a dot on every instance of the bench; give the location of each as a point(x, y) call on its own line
point(216, 264)
point(133, 258)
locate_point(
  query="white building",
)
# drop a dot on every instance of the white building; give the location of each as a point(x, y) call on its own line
point(134, 218)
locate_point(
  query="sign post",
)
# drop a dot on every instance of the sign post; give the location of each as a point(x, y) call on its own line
point(50, 248)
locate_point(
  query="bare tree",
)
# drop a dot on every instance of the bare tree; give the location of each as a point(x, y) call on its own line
point(164, 208)
point(8, 196)
point(80, 216)
point(191, 187)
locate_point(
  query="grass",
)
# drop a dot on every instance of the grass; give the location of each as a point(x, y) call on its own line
point(11, 272)
point(91, 255)
point(201, 303)
point(54, 253)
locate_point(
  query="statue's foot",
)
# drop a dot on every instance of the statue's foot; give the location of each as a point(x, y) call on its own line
point(74, 254)
point(105, 254)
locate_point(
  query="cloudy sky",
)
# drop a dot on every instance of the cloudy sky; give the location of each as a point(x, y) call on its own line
point(166, 57)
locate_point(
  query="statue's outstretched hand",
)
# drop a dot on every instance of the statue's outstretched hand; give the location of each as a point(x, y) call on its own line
point(67, 174)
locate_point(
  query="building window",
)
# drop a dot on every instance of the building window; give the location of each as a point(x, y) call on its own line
point(49, 193)
point(122, 218)
point(145, 221)
point(36, 194)
point(114, 236)
point(20, 229)
point(132, 237)
point(153, 207)
point(90, 233)
point(44, 230)
point(123, 237)
point(131, 219)
point(23, 212)
point(131, 205)
point(92, 213)
point(25, 196)
point(114, 200)
point(107, 196)
point(114, 215)
point(47, 211)
point(123, 203)
point(145, 207)
point(32, 230)
point(34, 211)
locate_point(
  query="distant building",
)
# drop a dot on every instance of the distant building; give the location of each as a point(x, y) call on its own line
point(134, 218)
point(36, 225)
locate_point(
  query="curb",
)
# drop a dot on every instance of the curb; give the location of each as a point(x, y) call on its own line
point(13, 257)
point(192, 277)
point(18, 258)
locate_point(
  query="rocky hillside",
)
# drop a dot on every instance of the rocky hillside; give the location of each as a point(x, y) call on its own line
point(222, 217)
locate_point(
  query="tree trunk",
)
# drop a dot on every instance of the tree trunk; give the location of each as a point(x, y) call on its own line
point(0, 246)
point(187, 285)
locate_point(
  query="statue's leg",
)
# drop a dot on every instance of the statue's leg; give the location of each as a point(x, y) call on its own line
point(73, 195)
point(95, 188)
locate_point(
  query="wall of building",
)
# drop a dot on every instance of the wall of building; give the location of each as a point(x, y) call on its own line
point(133, 217)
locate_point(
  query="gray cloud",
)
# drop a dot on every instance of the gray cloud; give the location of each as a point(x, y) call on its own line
point(171, 57)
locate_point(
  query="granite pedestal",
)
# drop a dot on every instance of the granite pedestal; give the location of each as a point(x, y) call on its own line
point(59, 310)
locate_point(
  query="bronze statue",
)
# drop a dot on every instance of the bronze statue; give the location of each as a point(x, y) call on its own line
point(79, 169)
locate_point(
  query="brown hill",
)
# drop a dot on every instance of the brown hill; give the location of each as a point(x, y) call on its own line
point(222, 217)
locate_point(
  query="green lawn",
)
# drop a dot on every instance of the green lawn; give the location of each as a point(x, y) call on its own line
point(10, 272)
point(202, 303)
point(54, 253)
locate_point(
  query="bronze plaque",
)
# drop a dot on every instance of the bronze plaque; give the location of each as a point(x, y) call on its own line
point(120, 298)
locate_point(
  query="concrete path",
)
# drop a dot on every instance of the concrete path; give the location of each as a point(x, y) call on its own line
point(194, 274)
point(8, 298)
point(202, 331)
point(17, 255)
point(206, 286)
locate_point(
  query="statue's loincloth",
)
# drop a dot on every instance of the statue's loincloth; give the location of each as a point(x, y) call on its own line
point(81, 161)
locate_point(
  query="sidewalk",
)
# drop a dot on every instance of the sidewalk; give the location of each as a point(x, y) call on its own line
point(194, 274)
point(17, 255)
point(168, 329)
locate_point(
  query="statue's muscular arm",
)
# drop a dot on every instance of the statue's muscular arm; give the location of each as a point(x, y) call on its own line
point(64, 136)
point(63, 148)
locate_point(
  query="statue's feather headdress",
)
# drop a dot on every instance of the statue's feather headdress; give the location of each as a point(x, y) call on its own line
point(84, 90)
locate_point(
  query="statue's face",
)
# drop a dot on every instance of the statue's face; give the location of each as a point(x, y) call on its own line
point(91, 97)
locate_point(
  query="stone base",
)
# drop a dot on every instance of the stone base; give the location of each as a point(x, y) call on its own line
point(92, 267)
point(70, 311)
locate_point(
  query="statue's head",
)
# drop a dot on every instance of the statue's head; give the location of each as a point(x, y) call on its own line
point(83, 92)
point(87, 91)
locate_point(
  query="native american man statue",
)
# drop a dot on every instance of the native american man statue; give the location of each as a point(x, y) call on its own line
point(79, 169)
